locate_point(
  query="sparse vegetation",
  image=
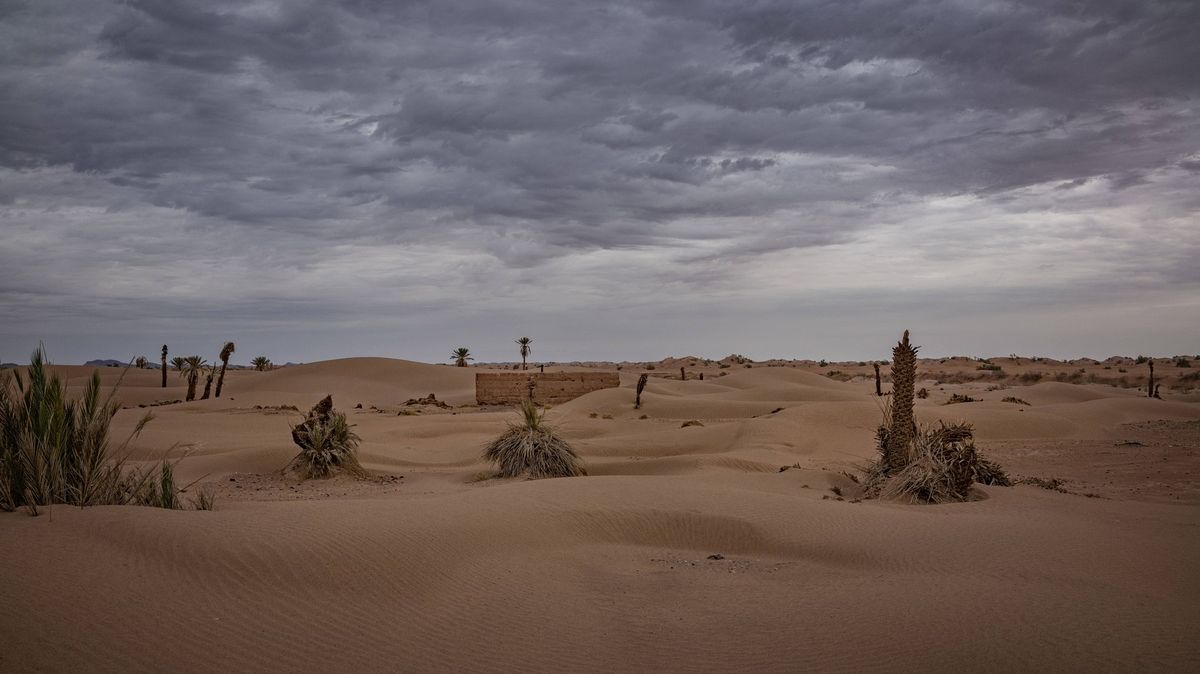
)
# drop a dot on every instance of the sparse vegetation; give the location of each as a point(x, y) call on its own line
point(326, 443)
point(1015, 400)
point(533, 448)
point(261, 363)
point(957, 398)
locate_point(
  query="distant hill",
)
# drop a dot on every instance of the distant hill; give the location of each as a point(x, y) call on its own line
point(106, 362)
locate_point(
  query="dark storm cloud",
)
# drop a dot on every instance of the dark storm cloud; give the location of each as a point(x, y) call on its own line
point(708, 133)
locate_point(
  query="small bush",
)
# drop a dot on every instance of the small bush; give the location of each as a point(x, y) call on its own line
point(991, 367)
point(533, 448)
point(1015, 400)
point(922, 393)
point(960, 398)
point(326, 443)
point(1140, 360)
point(1182, 362)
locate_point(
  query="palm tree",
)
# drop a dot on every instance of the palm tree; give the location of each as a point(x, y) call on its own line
point(209, 372)
point(140, 362)
point(190, 369)
point(461, 355)
point(226, 352)
point(164, 366)
point(261, 363)
point(178, 362)
point(525, 349)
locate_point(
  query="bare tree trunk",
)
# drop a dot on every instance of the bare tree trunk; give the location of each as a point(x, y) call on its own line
point(878, 381)
point(207, 386)
point(1150, 388)
point(682, 374)
point(164, 366)
point(641, 385)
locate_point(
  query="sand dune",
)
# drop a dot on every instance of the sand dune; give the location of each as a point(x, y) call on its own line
point(434, 571)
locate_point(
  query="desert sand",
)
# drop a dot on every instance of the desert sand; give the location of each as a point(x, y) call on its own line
point(684, 549)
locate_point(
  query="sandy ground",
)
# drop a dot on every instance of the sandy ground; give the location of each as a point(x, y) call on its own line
point(684, 549)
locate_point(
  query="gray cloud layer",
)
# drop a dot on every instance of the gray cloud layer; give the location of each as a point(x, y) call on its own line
point(433, 172)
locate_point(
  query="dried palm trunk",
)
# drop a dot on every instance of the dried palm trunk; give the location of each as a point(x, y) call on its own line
point(900, 433)
point(164, 366)
point(641, 386)
point(878, 381)
point(226, 352)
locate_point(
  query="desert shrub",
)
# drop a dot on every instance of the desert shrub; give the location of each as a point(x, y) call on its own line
point(1182, 362)
point(960, 398)
point(56, 450)
point(991, 367)
point(922, 393)
point(326, 443)
point(1015, 400)
point(1030, 377)
point(822, 363)
point(533, 448)
point(1140, 360)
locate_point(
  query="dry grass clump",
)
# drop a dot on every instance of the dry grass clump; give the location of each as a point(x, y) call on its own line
point(1014, 400)
point(944, 465)
point(533, 448)
point(326, 443)
point(960, 398)
point(56, 450)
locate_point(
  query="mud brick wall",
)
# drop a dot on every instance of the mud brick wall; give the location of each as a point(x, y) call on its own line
point(549, 388)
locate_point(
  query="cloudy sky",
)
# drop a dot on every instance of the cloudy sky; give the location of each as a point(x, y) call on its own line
point(788, 178)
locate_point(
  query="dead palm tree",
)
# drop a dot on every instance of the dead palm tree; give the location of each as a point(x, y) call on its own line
point(901, 430)
point(226, 352)
point(461, 355)
point(261, 363)
point(525, 349)
point(191, 368)
point(641, 386)
point(164, 366)
point(208, 372)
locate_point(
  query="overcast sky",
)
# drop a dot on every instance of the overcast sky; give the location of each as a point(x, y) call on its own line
point(617, 180)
